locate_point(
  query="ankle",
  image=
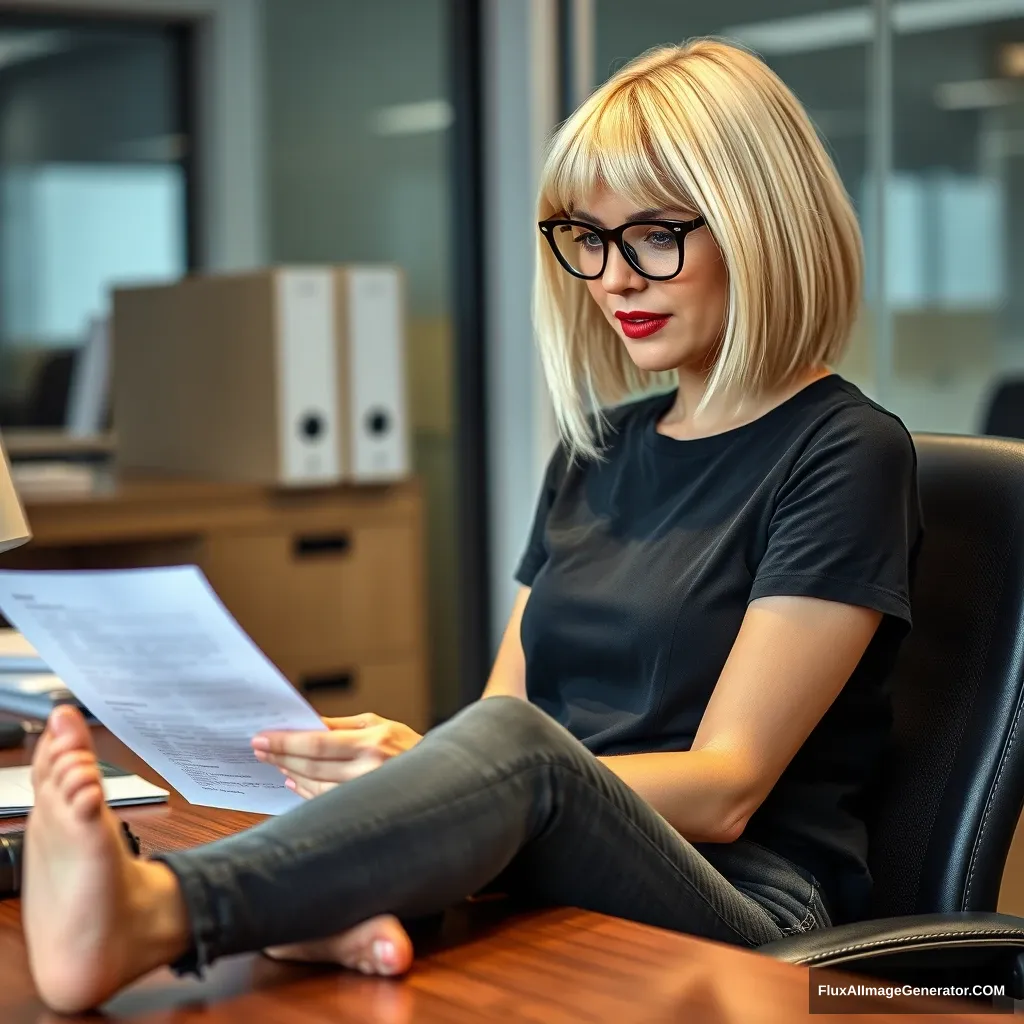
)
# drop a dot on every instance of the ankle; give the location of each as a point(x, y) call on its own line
point(161, 924)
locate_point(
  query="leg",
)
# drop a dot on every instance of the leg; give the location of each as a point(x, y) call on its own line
point(93, 915)
point(499, 786)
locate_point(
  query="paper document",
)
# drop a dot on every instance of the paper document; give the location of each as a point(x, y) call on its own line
point(120, 788)
point(156, 657)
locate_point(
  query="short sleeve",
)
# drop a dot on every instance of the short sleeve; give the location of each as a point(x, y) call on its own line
point(536, 553)
point(846, 523)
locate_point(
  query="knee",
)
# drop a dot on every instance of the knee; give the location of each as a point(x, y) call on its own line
point(503, 721)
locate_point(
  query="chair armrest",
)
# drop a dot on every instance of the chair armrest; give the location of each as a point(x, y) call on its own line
point(854, 946)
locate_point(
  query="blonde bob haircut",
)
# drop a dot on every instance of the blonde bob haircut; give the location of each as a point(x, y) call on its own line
point(708, 127)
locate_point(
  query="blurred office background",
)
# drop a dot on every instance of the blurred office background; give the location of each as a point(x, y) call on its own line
point(143, 139)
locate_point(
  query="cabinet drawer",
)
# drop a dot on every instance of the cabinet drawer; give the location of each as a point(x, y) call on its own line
point(395, 690)
point(346, 594)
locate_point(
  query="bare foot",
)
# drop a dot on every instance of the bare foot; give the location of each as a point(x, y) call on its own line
point(377, 946)
point(95, 918)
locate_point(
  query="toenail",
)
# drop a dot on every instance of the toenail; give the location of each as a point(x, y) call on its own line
point(59, 720)
point(365, 966)
point(384, 951)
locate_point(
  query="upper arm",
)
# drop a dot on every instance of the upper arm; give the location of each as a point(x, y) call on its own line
point(508, 675)
point(790, 660)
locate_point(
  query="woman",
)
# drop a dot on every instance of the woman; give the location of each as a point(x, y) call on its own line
point(690, 692)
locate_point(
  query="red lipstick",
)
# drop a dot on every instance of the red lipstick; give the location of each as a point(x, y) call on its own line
point(638, 323)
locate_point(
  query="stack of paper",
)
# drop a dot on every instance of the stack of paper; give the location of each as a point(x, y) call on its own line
point(121, 789)
point(27, 686)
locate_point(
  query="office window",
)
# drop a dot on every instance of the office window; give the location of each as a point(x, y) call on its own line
point(957, 155)
point(94, 191)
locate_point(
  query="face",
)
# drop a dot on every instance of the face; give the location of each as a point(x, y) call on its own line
point(692, 303)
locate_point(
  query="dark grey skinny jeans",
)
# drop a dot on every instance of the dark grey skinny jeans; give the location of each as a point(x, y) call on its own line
point(499, 792)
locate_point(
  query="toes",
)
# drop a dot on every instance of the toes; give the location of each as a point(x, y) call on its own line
point(42, 759)
point(65, 731)
point(381, 944)
point(86, 800)
point(69, 763)
point(66, 722)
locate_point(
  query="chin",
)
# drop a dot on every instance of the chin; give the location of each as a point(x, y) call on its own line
point(655, 357)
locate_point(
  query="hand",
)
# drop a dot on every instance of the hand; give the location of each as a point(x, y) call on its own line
point(315, 761)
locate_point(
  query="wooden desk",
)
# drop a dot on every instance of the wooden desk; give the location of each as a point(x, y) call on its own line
point(557, 967)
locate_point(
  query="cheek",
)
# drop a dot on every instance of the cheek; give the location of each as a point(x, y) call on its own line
point(598, 294)
point(705, 280)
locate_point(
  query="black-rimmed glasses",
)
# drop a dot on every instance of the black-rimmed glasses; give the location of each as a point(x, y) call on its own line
point(653, 248)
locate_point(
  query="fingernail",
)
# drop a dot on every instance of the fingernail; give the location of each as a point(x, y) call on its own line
point(384, 951)
point(260, 743)
point(290, 783)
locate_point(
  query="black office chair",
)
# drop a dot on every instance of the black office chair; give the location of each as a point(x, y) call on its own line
point(1004, 416)
point(951, 788)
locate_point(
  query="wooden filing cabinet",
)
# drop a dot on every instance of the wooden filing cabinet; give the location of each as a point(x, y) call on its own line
point(328, 582)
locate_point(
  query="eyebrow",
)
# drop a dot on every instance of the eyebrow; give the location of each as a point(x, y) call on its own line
point(652, 214)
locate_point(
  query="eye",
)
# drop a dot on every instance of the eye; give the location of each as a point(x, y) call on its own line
point(587, 240)
point(659, 238)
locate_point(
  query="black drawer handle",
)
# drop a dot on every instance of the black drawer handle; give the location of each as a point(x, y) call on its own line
point(322, 544)
point(344, 681)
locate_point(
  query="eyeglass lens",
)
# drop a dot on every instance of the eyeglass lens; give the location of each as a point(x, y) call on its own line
point(653, 247)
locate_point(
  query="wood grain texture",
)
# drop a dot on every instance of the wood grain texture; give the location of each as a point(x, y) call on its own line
point(487, 962)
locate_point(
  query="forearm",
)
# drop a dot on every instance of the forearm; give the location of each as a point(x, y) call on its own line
point(699, 793)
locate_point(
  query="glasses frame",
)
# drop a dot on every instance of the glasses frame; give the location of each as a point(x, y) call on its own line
point(679, 228)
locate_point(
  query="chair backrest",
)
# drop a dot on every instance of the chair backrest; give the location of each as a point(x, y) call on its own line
point(947, 798)
point(1005, 414)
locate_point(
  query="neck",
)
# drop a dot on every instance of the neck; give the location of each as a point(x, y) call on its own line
point(722, 412)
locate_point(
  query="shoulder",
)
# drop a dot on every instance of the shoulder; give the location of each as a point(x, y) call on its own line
point(851, 448)
point(861, 430)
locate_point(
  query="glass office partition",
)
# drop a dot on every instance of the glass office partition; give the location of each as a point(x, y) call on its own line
point(955, 213)
point(358, 123)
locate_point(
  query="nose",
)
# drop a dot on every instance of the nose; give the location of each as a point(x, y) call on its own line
point(619, 276)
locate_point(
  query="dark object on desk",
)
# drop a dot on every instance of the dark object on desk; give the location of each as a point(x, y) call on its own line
point(35, 695)
point(951, 785)
point(12, 734)
point(12, 849)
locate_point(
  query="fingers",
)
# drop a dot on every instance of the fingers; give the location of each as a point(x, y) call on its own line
point(323, 771)
point(308, 790)
point(314, 744)
point(362, 721)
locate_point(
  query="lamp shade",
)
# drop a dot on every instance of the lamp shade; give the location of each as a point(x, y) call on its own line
point(13, 525)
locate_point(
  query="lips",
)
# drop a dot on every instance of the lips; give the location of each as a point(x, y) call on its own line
point(639, 323)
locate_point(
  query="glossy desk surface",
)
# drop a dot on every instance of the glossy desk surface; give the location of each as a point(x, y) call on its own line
point(488, 964)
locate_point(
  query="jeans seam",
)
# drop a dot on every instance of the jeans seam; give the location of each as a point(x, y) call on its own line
point(814, 894)
point(689, 882)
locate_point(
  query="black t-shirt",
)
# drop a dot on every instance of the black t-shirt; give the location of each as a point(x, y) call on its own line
point(642, 567)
